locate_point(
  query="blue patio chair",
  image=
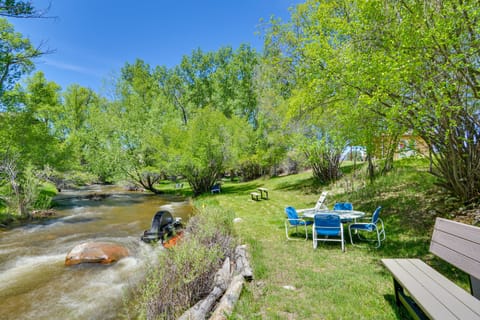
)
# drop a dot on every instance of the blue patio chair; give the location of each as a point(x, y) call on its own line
point(343, 206)
point(215, 188)
point(327, 225)
point(294, 221)
point(375, 224)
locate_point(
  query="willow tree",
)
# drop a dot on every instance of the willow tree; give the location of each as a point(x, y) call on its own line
point(204, 149)
point(222, 80)
point(135, 125)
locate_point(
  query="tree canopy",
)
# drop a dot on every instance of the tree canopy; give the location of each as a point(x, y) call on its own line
point(338, 73)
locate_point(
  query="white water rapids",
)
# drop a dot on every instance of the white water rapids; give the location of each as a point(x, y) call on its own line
point(35, 283)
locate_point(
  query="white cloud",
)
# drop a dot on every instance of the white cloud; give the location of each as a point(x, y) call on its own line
point(73, 67)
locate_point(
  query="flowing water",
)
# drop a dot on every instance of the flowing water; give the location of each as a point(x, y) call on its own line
point(35, 283)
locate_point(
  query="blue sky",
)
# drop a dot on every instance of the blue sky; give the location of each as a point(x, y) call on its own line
point(93, 39)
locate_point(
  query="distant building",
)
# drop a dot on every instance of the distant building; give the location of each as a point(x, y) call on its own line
point(411, 145)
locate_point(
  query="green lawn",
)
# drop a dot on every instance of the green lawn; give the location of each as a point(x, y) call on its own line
point(294, 281)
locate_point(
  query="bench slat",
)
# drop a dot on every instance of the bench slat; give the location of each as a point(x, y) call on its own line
point(458, 244)
point(431, 290)
point(464, 263)
point(460, 229)
point(464, 296)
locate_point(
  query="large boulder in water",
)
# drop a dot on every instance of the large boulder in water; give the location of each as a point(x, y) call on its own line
point(95, 252)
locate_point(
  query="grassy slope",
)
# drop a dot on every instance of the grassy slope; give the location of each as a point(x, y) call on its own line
point(329, 284)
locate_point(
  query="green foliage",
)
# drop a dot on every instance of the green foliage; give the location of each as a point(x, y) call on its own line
point(184, 274)
point(22, 190)
point(205, 148)
point(376, 70)
point(222, 80)
point(323, 156)
point(13, 8)
point(16, 54)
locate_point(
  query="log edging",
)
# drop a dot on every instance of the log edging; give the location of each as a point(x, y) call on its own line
point(228, 284)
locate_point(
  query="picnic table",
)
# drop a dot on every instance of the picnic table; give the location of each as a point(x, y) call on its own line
point(262, 190)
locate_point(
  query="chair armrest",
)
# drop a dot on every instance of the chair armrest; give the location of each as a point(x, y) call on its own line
point(304, 210)
point(365, 218)
point(287, 219)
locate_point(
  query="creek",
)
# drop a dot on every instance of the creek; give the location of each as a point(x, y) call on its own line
point(35, 283)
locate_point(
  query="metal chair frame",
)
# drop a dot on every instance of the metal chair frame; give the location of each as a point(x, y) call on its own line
point(330, 219)
point(295, 222)
point(375, 225)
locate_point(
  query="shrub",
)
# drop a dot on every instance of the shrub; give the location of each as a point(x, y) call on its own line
point(184, 274)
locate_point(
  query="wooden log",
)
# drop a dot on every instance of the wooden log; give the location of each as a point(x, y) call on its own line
point(221, 281)
point(229, 299)
point(223, 277)
point(200, 310)
point(242, 266)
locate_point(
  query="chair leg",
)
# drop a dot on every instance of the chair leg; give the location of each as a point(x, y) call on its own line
point(286, 231)
point(350, 233)
point(379, 243)
point(287, 228)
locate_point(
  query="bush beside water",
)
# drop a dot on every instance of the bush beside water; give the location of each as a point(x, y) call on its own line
point(184, 274)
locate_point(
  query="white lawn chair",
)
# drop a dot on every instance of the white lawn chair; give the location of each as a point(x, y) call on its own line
point(320, 205)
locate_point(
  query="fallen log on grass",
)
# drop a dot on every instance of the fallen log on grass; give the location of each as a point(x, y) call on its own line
point(229, 299)
point(242, 266)
point(200, 310)
point(223, 285)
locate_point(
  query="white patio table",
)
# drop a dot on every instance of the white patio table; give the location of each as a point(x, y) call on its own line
point(345, 215)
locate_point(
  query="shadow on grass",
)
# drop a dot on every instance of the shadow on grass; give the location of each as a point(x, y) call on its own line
point(399, 312)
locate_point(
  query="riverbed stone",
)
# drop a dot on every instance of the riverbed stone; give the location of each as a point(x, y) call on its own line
point(96, 252)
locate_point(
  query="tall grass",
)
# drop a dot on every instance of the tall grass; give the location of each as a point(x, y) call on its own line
point(294, 281)
point(184, 274)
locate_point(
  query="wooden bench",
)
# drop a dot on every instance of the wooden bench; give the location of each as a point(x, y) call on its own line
point(430, 294)
point(262, 190)
point(255, 196)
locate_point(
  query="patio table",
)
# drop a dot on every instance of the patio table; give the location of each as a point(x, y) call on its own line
point(345, 215)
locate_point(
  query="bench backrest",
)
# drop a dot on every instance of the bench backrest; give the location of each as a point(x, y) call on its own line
point(458, 244)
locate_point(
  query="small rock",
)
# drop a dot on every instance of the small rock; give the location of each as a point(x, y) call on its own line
point(290, 288)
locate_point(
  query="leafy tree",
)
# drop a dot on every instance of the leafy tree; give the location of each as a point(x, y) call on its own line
point(18, 9)
point(132, 127)
point(28, 125)
point(28, 141)
point(203, 150)
point(222, 80)
point(405, 65)
point(74, 122)
point(16, 54)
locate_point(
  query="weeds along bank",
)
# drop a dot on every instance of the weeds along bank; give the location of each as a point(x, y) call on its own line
point(184, 274)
